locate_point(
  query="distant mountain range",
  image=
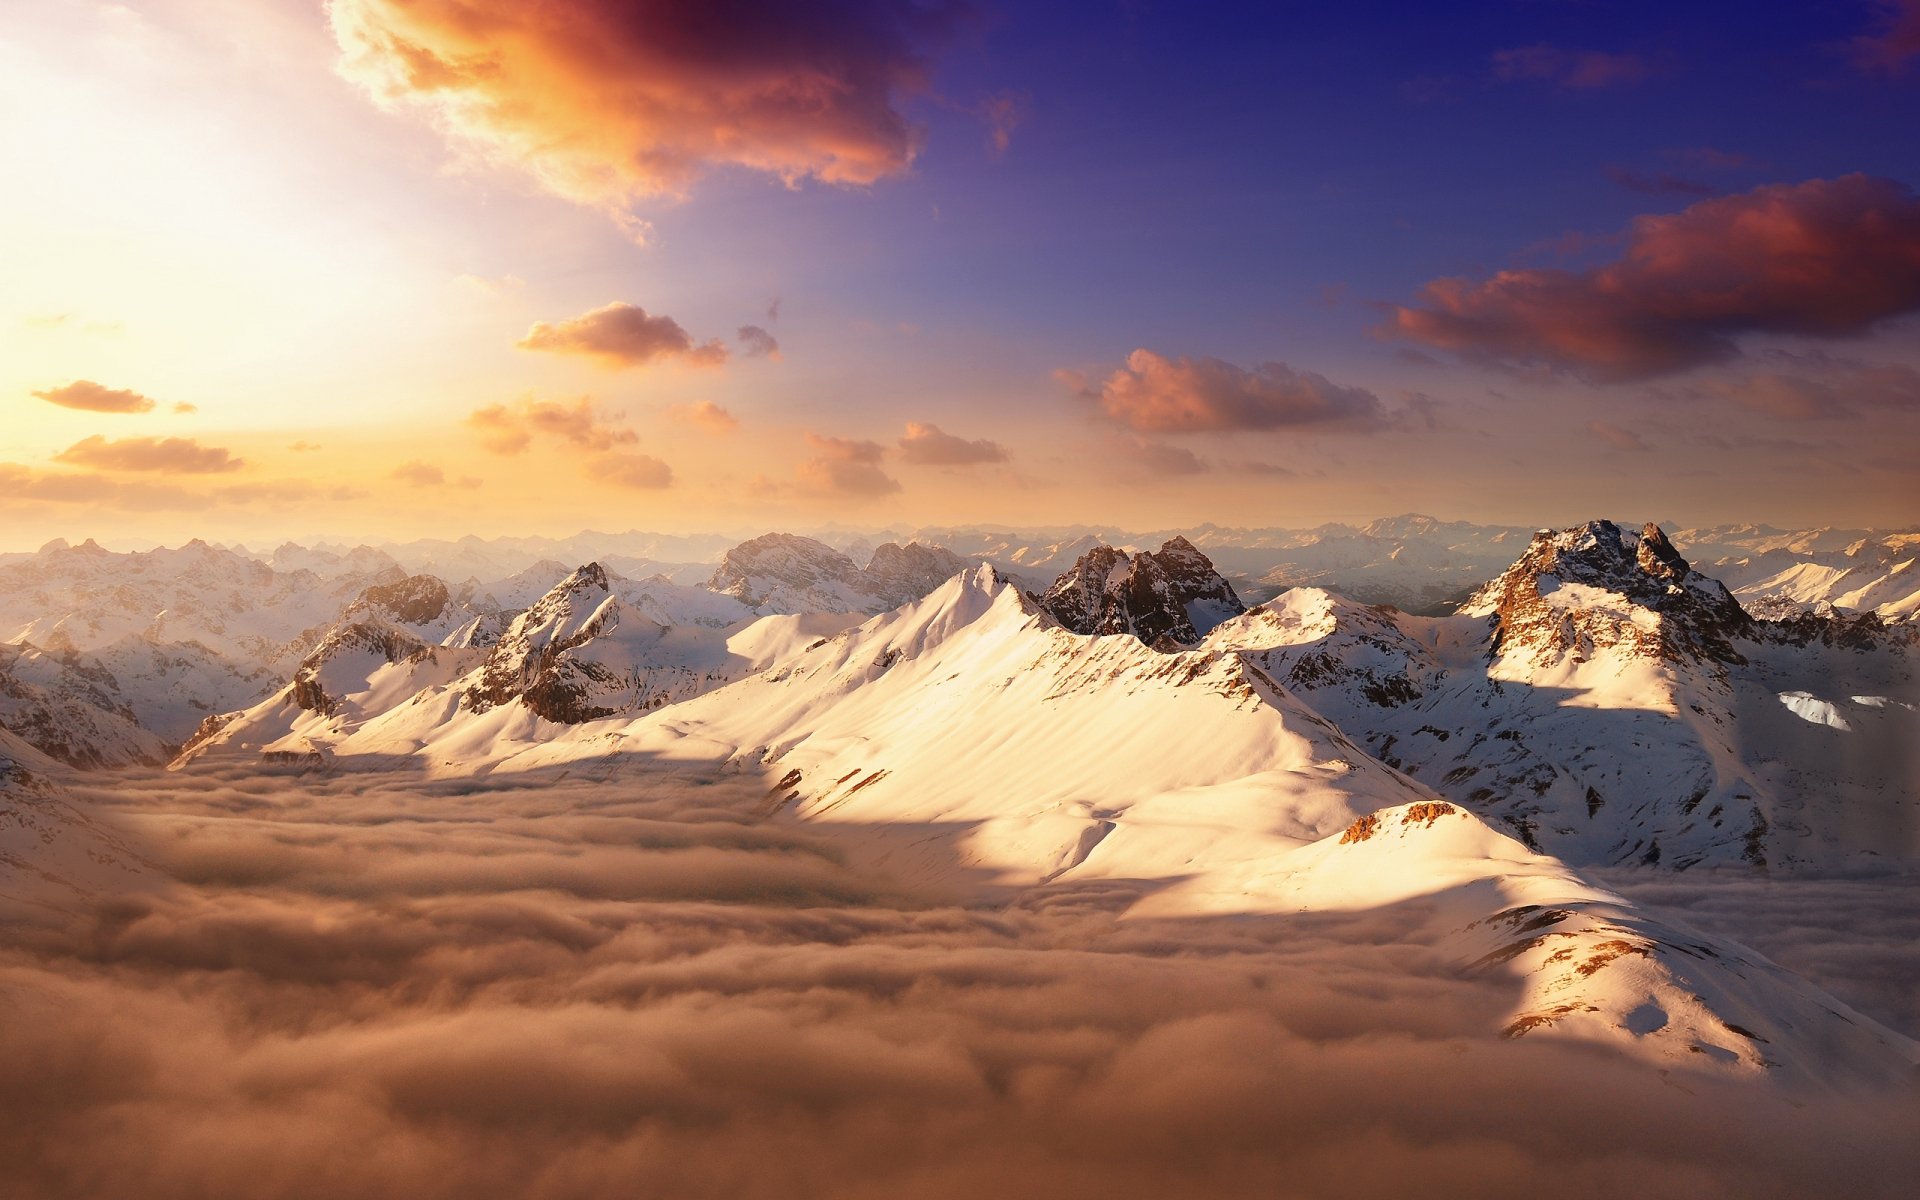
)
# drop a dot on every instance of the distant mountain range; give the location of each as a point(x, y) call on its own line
point(996, 716)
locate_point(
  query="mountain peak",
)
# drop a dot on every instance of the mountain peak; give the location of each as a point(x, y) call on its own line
point(544, 659)
point(1173, 593)
point(1597, 585)
point(784, 572)
point(765, 569)
point(589, 575)
point(415, 600)
point(1657, 557)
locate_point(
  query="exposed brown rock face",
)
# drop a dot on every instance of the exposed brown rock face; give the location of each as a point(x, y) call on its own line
point(547, 659)
point(1596, 586)
point(414, 600)
point(373, 637)
point(1828, 626)
point(1173, 593)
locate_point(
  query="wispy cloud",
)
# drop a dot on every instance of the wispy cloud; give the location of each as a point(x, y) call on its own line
point(177, 456)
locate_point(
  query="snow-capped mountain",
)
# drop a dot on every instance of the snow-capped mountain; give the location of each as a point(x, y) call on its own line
point(1609, 704)
point(54, 857)
point(1042, 773)
point(1173, 593)
point(1596, 588)
point(422, 604)
point(86, 597)
point(594, 646)
point(69, 708)
point(785, 573)
point(575, 655)
point(1417, 562)
point(129, 655)
point(1877, 575)
point(358, 562)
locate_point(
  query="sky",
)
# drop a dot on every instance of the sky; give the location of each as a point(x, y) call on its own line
point(402, 268)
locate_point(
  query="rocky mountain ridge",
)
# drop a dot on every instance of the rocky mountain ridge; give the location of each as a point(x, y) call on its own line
point(1172, 594)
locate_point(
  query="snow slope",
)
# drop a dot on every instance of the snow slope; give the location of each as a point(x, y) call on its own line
point(594, 646)
point(53, 856)
point(70, 709)
point(969, 741)
point(1626, 716)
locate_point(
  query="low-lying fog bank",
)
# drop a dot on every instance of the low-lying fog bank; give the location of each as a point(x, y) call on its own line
point(383, 986)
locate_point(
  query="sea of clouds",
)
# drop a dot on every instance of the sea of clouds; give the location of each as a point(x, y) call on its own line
point(387, 986)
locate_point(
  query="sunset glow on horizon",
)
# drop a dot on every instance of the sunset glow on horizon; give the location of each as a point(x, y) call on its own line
point(937, 599)
point(753, 253)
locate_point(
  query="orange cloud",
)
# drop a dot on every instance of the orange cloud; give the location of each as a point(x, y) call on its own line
point(640, 472)
point(606, 102)
point(929, 445)
point(420, 474)
point(511, 430)
point(846, 466)
point(708, 416)
point(88, 396)
point(1826, 258)
point(623, 335)
point(1155, 394)
point(17, 482)
point(180, 456)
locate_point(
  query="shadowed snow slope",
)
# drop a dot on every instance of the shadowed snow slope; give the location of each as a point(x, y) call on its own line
point(1611, 706)
point(969, 742)
point(53, 857)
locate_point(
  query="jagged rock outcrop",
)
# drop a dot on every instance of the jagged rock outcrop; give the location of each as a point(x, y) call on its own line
point(345, 657)
point(1597, 586)
point(405, 620)
point(548, 657)
point(415, 600)
point(1172, 594)
point(1789, 623)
